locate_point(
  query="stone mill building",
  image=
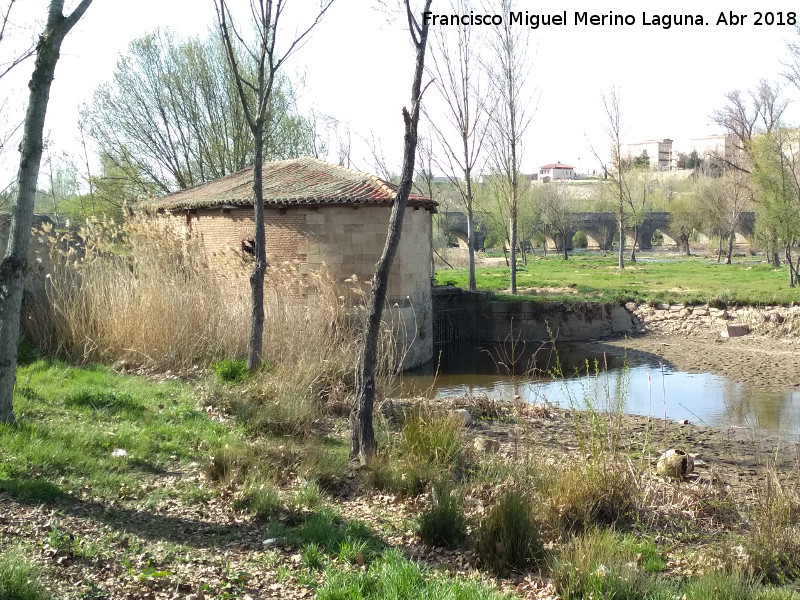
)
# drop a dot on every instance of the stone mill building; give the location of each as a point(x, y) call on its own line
point(319, 216)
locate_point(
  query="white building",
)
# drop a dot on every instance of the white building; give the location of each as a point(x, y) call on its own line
point(659, 152)
point(555, 172)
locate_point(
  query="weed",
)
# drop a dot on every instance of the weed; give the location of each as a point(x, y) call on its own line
point(442, 522)
point(312, 556)
point(230, 370)
point(508, 538)
point(261, 497)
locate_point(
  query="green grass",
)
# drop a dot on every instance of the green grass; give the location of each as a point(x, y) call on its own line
point(72, 421)
point(393, 577)
point(596, 279)
point(19, 578)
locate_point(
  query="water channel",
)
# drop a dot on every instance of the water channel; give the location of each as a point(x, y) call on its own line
point(574, 375)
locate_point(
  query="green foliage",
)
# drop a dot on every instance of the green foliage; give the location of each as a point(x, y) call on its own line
point(168, 152)
point(579, 240)
point(350, 541)
point(19, 578)
point(442, 523)
point(393, 576)
point(230, 370)
point(508, 537)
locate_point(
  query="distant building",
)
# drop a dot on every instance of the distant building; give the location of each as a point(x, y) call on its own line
point(555, 172)
point(660, 153)
point(715, 146)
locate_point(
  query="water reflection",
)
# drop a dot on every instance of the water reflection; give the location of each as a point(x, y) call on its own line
point(596, 374)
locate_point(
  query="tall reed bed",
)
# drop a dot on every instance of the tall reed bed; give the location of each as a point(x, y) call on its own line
point(144, 296)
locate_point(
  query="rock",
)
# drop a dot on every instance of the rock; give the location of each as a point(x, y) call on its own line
point(486, 445)
point(735, 330)
point(662, 306)
point(718, 313)
point(701, 312)
point(675, 463)
point(464, 415)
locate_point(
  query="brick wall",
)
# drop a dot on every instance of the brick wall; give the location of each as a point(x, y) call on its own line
point(343, 241)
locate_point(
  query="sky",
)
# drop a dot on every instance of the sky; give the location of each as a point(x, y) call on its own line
point(357, 67)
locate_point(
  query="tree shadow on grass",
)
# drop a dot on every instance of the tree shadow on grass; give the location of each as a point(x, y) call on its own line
point(40, 493)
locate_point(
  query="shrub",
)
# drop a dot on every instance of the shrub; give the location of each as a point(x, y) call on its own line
point(230, 370)
point(442, 523)
point(508, 538)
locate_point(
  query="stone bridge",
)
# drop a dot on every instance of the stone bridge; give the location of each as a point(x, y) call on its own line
point(600, 228)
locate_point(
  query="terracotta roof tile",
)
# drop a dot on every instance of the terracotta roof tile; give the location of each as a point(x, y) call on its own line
point(300, 181)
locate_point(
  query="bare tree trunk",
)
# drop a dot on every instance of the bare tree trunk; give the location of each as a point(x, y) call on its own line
point(621, 258)
point(362, 439)
point(731, 235)
point(12, 268)
point(512, 238)
point(719, 249)
point(255, 347)
point(688, 251)
point(635, 241)
point(471, 244)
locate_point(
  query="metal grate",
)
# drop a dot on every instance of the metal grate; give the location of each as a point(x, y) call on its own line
point(450, 325)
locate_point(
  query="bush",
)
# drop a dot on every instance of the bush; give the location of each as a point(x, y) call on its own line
point(230, 370)
point(442, 523)
point(508, 538)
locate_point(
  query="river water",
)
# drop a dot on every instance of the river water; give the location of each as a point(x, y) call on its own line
point(584, 374)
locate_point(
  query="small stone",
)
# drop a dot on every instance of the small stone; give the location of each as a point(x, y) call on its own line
point(675, 463)
point(464, 415)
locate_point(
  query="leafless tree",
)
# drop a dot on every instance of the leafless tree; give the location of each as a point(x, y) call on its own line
point(510, 118)
point(792, 64)
point(461, 133)
point(12, 267)
point(613, 127)
point(744, 116)
point(255, 94)
point(557, 214)
point(22, 54)
point(726, 198)
point(362, 441)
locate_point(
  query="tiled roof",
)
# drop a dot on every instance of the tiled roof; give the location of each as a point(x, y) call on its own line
point(556, 166)
point(299, 181)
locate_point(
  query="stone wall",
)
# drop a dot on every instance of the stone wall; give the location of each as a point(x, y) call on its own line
point(340, 240)
point(670, 319)
point(465, 316)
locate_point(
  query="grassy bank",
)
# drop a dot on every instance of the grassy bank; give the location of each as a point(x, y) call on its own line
point(118, 486)
point(595, 278)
